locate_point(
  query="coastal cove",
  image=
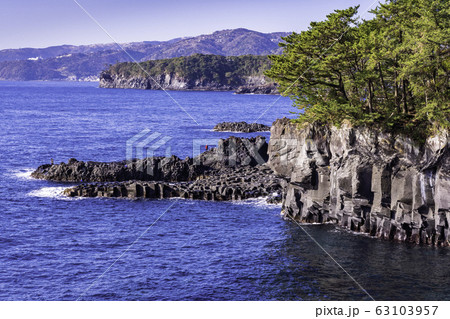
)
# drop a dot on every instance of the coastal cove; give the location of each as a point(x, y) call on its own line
point(54, 247)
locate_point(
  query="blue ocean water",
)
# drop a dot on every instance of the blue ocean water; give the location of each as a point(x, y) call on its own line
point(54, 248)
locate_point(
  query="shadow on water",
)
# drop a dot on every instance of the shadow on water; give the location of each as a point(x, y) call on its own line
point(387, 270)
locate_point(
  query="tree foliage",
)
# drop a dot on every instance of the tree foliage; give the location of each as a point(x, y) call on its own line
point(391, 71)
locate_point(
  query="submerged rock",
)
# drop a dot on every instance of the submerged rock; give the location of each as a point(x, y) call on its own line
point(365, 180)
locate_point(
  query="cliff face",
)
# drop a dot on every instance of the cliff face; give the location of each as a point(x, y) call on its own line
point(367, 181)
point(172, 81)
point(168, 81)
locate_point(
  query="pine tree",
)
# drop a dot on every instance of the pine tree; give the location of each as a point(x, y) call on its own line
point(391, 71)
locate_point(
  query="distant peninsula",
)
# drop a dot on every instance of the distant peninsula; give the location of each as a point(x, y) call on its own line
point(198, 72)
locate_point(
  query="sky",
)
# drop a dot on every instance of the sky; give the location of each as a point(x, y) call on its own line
point(43, 23)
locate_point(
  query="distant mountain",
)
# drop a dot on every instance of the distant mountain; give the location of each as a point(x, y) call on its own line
point(85, 62)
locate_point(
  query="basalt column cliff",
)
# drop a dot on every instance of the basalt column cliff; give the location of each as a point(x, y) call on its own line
point(371, 182)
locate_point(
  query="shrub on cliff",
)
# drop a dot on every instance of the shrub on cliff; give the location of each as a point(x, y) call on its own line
point(391, 71)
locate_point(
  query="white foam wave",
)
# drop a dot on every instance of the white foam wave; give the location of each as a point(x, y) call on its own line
point(257, 202)
point(339, 229)
point(24, 173)
point(316, 224)
point(49, 192)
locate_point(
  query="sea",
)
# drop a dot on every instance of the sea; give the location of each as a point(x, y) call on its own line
point(58, 248)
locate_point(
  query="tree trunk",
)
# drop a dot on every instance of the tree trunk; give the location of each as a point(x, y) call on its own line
point(342, 88)
point(397, 100)
point(405, 104)
point(370, 97)
point(383, 85)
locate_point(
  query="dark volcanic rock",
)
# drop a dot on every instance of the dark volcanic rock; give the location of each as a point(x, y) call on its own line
point(235, 170)
point(365, 180)
point(148, 169)
point(241, 127)
point(230, 152)
point(235, 151)
point(226, 184)
point(258, 89)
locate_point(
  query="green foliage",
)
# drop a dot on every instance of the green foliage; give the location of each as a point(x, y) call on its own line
point(198, 67)
point(391, 71)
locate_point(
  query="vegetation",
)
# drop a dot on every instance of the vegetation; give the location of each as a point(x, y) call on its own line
point(198, 67)
point(391, 71)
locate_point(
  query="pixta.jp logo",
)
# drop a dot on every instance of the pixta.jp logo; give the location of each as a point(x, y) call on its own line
point(145, 144)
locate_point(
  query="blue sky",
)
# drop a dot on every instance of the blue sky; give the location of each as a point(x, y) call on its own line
point(42, 23)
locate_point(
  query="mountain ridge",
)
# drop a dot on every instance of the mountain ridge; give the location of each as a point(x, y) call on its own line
point(85, 62)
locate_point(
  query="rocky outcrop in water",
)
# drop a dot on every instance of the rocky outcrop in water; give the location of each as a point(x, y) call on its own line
point(257, 85)
point(243, 127)
point(365, 180)
point(155, 168)
point(230, 152)
point(235, 170)
point(261, 88)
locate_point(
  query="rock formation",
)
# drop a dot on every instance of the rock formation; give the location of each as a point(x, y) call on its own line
point(367, 181)
point(257, 85)
point(235, 183)
point(198, 72)
point(243, 127)
point(230, 152)
point(235, 170)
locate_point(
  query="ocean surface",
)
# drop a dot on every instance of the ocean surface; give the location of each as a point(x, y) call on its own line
point(55, 248)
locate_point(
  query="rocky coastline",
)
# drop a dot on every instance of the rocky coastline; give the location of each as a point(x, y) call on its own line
point(367, 181)
point(237, 169)
point(174, 82)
